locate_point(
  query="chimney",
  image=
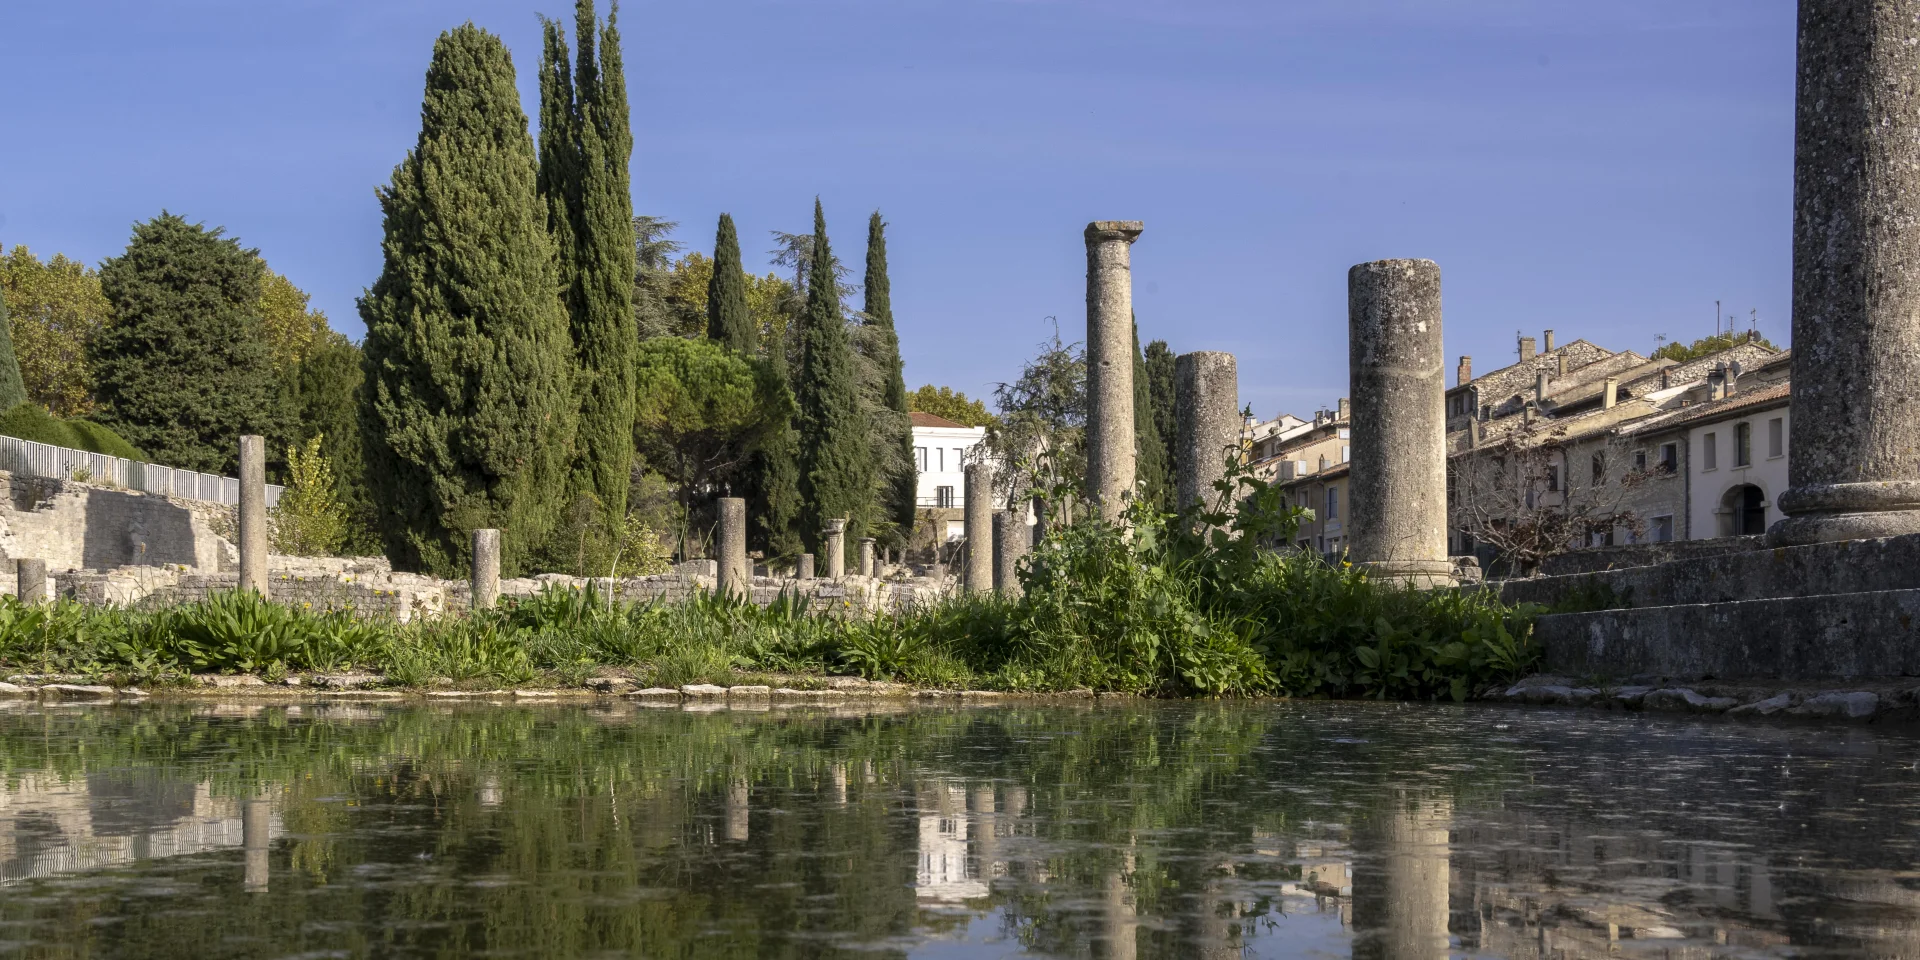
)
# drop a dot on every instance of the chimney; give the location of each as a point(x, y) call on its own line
point(1540, 387)
point(1346, 408)
point(1526, 349)
point(1560, 364)
point(1717, 383)
point(1548, 343)
point(1465, 373)
point(1733, 377)
point(1666, 377)
point(1611, 394)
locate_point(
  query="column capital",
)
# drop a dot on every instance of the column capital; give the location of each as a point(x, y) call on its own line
point(838, 525)
point(1107, 231)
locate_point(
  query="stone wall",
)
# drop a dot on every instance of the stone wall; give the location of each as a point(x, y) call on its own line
point(84, 526)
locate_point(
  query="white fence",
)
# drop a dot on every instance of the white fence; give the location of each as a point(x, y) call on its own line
point(31, 459)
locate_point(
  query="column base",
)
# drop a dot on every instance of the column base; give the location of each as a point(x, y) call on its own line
point(1846, 511)
point(1418, 574)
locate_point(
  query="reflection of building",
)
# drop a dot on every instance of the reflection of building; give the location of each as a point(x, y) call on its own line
point(50, 825)
point(947, 874)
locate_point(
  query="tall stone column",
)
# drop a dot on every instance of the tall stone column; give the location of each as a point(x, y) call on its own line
point(1206, 391)
point(1397, 521)
point(486, 570)
point(30, 581)
point(1110, 451)
point(977, 575)
point(1010, 542)
point(253, 514)
point(836, 549)
point(735, 573)
point(866, 557)
point(1854, 469)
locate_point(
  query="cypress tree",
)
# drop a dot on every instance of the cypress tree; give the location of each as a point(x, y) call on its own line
point(773, 493)
point(900, 478)
point(728, 319)
point(181, 369)
point(1160, 385)
point(1150, 452)
point(467, 410)
point(13, 389)
point(835, 475)
point(559, 151)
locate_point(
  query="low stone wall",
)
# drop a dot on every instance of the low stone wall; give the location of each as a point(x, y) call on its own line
point(1595, 559)
point(1848, 566)
point(86, 526)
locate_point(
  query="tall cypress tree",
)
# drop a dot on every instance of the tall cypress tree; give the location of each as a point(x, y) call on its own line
point(590, 215)
point(728, 319)
point(835, 472)
point(1150, 452)
point(900, 480)
point(467, 410)
point(13, 389)
point(1160, 386)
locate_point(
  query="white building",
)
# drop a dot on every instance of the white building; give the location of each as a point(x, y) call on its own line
point(1739, 465)
point(941, 451)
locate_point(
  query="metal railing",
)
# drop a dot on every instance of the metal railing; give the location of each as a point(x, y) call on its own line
point(27, 458)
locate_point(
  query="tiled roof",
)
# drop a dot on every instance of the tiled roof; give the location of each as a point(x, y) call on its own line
point(929, 420)
point(1745, 400)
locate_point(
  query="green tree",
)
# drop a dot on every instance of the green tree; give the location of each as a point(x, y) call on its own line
point(729, 319)
point(835, 468)
point(1151, 470)
point(899, 477)
point(56, 308)
point(587, 181)
point(653, 277)
point(309, 521)
point(13, 392)
point(182, 368)
point(1042, 427)
point(326, 404)
point(468, 404)
point(1160, 388)
point(951, 404)
point(1681, 353)
point(288, 323)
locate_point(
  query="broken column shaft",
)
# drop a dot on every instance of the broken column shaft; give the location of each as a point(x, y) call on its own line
point(977, 574)
point(735, 574)
point(1206, 390)
point(1011, 541)
point(485, 584)
point(1110, 450)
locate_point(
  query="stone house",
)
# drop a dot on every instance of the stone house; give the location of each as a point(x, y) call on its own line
point(1310, 460)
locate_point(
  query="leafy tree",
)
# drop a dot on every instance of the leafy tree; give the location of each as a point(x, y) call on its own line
point(835, 462)
point(326, 404)
point(309, 521)
point(1160, 387)
point(729, 319)
point(1705, 345)
point(56, 306)
point(951, 404)
point(468, 406)
point(182, 369)
point(1151, 471)
point(1041, 430)
point(291, 327)
point(13, 392)
point(900, 478)
point(653, 268)
point(584, 176)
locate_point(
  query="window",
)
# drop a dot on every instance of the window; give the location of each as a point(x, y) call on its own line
point(943, 496)
point(1346, 454)
point(1333, 503)
point(1660, 530)
point(920, 457)
point(1553, 479)
point(1669, 457)
point(940, 454)
point(1743, 444)
point(1776, 437)
point(1599, 469)
point(1346, 434)
point(1640, 461)
point(1710, 452)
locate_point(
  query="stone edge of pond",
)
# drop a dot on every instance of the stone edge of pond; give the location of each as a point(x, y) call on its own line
point(1866, 700)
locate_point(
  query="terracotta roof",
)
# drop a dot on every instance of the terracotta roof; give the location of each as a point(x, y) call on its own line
point(929, 420)
point(1743, 400)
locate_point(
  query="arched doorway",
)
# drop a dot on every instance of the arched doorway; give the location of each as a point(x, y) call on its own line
point(1743, 511)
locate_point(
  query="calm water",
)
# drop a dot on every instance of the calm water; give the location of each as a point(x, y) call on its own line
point(1209, 831)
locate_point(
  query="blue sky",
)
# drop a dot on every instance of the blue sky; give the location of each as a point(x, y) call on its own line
point(1608, 170)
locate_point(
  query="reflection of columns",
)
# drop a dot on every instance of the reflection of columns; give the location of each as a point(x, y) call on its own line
point(986, 844)
point(839, 784)
point(1122, 918)
point(1110, 453)
point(1400, 883)
point(737, 807)
point(1855, 468)
point(254, 815)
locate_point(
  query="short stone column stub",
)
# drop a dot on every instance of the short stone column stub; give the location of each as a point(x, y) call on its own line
point(866, 556)
point(734, 572)
point(803, 568)
point(977, 573)
point(485, 585)
point(1011, 541)
point(1206, 390)
point(253, 514)
point(1854, 469)
point(30, 580)
point(836, 548)
point(1397, 502)
point(1110, 441)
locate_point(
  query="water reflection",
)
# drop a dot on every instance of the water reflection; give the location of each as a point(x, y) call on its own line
point(1138, 833)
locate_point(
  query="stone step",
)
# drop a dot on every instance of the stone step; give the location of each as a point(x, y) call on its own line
point(1843, 567)
point(1835, 635)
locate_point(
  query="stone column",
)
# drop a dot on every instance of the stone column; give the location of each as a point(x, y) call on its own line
point(486, 569)
point(1010, 542)
point(735, 574)
point(31, 581)
point(253, 514)
point(1110, 453)
point(836, 549)
point(1206, 391)
point(804, 569)
point(1854, 469)
point(866, 557)
point(1397, 510)
point(977, 575)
